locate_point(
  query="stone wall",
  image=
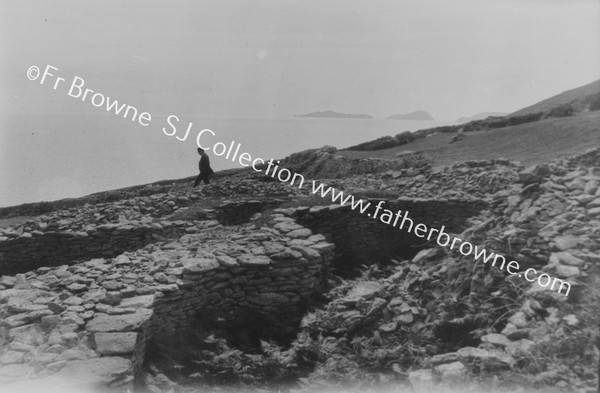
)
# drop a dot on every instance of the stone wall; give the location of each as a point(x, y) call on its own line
point(87, 325)
point(35, 249)
point(359, 238)
point(45, 243)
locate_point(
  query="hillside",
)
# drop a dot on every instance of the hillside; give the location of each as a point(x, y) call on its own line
point(566, 97)
point(257, 284)
point(253, 284)
point(529, 143)
point(480, 116)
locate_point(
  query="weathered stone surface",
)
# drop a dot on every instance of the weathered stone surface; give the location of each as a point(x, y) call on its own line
point(388, 327)
point(144, 301)
point(565, 271)
point(272, 247)
point(198, 265)
point(300, 233)
point(28, 334)
point(11, 357)
point(287, 226)
point(115, 343)
point(287, 254)
point(444, 358)
point(18, 305)
point(227, 261)
point(404, 318)
point(122, 260)
point(471, 353)
point(364, 290)
point(15, 372)
point(567, 258)
point(269, 298)
point(565, 242)
point(248, 259)
point(496, 339)
point(119, 323)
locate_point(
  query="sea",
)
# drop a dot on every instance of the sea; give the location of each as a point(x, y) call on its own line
point(49, 156)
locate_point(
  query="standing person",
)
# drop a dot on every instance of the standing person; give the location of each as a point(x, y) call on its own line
point(204, 166)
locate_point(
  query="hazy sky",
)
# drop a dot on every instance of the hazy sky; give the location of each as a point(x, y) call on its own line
point(231, 58)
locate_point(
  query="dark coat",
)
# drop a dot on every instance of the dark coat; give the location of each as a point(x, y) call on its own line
point(204, 165)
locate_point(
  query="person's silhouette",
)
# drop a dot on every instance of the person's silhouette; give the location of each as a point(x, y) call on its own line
point(204, 167)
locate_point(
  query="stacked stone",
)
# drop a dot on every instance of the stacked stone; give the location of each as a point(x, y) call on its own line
point(250, 183)
point(367, 240)
point(551, 219)
point(549, 222)
point(478, 179)
point(31, 250)
point(135, 211)
point(88, 324)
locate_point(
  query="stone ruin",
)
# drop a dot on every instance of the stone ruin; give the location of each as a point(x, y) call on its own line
point(81, 302)
point(88, 324)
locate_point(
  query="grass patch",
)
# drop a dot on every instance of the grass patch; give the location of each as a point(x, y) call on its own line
point(529, 143)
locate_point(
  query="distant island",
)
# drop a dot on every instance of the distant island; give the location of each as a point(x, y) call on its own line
point(416, 115)
point(480, 116)
point(335, 115)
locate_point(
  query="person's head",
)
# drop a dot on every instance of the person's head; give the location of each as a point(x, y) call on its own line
point(200, 151)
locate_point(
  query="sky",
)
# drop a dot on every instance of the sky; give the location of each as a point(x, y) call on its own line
point(278, 58)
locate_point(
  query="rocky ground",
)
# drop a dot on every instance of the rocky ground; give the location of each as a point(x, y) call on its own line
point(438, 320)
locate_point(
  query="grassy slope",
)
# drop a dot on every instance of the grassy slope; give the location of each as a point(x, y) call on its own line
point(529, 143)
point(559, 99)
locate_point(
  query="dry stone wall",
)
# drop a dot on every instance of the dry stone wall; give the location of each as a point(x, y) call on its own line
point(65, 237)
point(87, 325)
point(36, 249)
point(359, 237)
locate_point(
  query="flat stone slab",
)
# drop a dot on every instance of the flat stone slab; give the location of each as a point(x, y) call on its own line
point(144, 301)
point(115, 343)
point(119, 323)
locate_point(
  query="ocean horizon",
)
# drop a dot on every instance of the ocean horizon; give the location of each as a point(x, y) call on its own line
point(47, 157)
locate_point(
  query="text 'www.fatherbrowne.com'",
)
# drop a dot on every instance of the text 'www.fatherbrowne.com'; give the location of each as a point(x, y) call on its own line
point(78, 89)
point(401, 220)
